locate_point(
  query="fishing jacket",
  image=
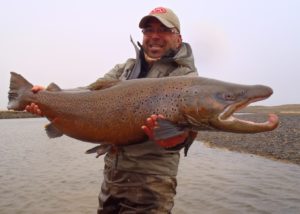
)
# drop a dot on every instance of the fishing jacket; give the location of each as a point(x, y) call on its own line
point(148, 157)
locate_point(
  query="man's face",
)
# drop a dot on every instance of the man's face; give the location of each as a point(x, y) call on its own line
point(158, 40)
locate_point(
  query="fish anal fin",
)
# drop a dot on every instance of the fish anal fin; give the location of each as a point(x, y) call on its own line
point(100, 150)
point(103, 84)
point(52, 131)
point(53, 87)
point(166, 129)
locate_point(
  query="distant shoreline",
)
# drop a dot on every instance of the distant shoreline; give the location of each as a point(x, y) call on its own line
point(281, 109)
point(16, 115)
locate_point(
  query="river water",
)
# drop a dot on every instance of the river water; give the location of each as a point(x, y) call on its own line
point(39, 175)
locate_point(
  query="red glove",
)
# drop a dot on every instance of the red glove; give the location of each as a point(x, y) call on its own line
point(33, 108)
point(167, 143)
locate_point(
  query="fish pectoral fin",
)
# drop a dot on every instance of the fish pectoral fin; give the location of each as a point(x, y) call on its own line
point(103, 84)
point(53, 87)
point(188, 142)
point(52, 131)
point(100, 150)
point(166, 129)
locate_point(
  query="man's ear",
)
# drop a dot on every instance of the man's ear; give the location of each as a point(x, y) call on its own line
point(179, 40)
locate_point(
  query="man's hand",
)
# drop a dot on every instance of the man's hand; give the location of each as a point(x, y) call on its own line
point(167, 143)
point(33, 108)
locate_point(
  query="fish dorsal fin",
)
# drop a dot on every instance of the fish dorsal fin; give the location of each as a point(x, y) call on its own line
point(103, 84)
point(53, 87)
point(52, 131)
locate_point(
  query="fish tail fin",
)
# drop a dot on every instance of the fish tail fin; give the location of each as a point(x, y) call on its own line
point(18, 86)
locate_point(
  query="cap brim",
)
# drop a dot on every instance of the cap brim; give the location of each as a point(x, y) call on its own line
point(145, 19)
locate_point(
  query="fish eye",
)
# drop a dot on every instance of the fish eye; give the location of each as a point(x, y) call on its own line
point(229, 97)
point(226, 96)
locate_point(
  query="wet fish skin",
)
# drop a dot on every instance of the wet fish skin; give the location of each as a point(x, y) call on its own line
point(115, 113)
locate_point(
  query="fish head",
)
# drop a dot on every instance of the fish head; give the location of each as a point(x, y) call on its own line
point(211, 106)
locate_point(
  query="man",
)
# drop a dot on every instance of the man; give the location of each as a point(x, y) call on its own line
point(141, 178)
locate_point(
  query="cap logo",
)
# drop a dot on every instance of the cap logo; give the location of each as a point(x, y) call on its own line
point(158, 10)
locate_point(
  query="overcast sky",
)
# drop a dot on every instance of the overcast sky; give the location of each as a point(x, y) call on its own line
point(73, 42)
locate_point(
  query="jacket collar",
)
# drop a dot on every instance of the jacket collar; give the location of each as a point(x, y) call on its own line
point(184, 57)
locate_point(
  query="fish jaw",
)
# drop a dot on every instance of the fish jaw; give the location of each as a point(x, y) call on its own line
point(233, 124)
point(226, 121)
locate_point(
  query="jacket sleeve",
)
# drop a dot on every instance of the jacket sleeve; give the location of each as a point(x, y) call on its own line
point(119, 72)
point(184, 71)
point(114, 73)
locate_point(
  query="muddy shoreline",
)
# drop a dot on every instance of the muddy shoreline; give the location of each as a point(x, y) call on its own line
point(282, 143)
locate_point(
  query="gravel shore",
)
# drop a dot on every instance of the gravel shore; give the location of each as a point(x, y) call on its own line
point(283, 143)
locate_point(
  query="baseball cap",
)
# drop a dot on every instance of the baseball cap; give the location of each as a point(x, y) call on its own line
point(165, 15)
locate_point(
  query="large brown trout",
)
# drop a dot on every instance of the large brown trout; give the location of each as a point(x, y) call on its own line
point(112, 112)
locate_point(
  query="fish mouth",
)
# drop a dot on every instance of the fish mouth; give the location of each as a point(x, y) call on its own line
point(228, 122)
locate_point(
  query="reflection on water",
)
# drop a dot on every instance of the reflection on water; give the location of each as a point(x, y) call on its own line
point(38, 175)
